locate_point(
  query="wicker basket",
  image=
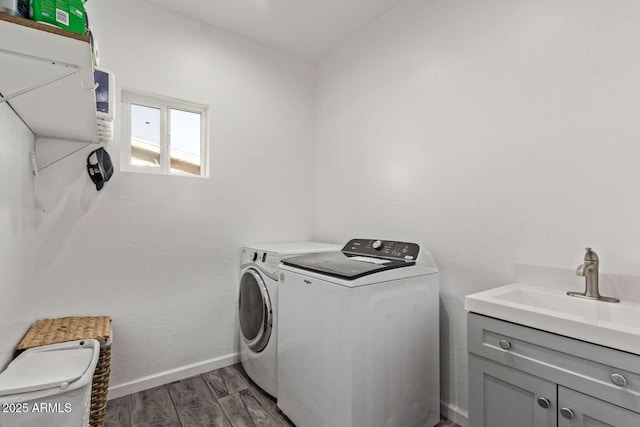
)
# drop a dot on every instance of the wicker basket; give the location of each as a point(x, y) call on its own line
point(54, 331)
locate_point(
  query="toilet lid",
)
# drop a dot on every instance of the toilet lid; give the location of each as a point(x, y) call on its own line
point(40, 370)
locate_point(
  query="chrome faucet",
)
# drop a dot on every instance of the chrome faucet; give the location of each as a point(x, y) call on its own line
point(589, 270)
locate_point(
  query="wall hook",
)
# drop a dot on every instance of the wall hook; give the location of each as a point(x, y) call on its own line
point(89, 88)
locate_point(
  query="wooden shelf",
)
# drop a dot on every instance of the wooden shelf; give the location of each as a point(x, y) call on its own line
point(32, 53)
point(43, 27)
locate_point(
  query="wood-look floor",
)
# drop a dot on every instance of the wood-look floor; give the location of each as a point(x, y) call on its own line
point(224, 398)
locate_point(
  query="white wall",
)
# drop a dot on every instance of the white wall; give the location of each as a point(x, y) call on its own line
point(491, 132)
point(18, 218)
point(160, 254)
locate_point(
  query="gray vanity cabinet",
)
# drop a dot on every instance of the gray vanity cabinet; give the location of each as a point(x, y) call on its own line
point(524, 377)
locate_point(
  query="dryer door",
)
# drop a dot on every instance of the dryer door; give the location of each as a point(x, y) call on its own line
point(256, 316)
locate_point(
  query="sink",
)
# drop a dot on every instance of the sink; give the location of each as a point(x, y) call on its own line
point(551, 310)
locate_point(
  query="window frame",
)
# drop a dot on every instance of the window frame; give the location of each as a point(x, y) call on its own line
point(165, 104)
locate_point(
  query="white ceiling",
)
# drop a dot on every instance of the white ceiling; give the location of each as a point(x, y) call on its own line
point(310, 28)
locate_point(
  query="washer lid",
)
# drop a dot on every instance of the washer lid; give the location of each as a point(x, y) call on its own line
point(36, 369)
point(345, 266)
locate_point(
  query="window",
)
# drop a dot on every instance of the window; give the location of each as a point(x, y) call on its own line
point(163, 135)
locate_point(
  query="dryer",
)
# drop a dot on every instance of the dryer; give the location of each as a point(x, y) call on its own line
point(358, 338)
point(258, 307)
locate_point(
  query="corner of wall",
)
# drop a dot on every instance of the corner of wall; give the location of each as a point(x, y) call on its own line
point(17, 246)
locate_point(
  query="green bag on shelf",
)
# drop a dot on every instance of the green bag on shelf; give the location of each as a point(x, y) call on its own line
point(65, 14)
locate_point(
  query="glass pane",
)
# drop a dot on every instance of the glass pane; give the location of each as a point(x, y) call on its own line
point(185, 142)
point(145, 136)
point(251, 307)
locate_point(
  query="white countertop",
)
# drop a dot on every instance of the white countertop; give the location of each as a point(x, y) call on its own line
point(608, 324)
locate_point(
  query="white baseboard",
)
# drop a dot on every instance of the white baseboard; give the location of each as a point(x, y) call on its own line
point(455, 414)
point(172, 375)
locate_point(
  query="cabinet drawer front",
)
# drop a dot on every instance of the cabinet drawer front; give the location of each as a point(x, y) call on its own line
point(610, 375)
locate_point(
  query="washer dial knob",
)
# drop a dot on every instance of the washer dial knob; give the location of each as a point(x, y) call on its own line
point(254, 256)
point(377, 245)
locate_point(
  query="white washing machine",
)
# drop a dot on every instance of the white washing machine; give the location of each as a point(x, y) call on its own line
point(258, 303)
point(358, 337)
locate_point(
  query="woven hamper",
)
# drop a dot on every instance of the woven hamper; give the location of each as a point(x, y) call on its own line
point(54, 331)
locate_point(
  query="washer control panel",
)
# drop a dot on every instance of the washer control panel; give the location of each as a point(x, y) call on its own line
point(383, 249)
point(271, 260)
point(266, 261)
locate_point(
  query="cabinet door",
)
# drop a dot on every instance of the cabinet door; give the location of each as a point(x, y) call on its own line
point(500, 396)
point(579, 410)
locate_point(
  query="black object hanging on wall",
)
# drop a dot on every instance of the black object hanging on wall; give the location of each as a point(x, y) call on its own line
point(99, 167)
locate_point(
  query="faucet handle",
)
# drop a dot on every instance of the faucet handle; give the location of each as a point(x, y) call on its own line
point(590, 256)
